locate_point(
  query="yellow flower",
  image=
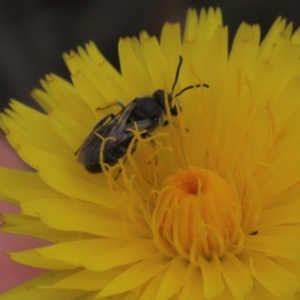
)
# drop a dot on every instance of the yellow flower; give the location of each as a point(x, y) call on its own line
point(207, 207)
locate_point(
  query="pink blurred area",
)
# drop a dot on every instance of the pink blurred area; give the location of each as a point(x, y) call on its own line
point(12, 273)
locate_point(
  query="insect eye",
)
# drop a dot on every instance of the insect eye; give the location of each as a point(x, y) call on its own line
point(174, 111)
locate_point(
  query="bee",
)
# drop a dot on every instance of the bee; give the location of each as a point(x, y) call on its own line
point(143, 113)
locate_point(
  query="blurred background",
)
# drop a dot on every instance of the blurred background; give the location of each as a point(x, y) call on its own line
point(35, 33)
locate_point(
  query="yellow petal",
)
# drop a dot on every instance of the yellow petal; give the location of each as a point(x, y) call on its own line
point(270, 275)
point(79, 216)
point(285, 246)
point(212, 280)
point(87, 280)
point(172, 284)
point(135, 276)
point(122, 256)
point(233, 271)
point(31, 226)
point(32, 258)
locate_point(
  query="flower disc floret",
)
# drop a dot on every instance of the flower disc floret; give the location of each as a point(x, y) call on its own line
point(196, 215)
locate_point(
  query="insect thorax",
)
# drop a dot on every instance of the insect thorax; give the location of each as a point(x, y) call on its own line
point(147, 107)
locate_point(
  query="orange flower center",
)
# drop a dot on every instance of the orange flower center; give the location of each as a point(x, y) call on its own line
point(196, 214)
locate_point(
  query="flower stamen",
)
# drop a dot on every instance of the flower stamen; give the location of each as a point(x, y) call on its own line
point(195, 214)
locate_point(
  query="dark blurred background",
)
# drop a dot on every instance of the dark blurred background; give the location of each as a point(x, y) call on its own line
point(34, 33)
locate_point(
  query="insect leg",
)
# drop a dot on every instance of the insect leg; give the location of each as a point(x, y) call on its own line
point(115, 103)
point(133, 147)
point(102, 121)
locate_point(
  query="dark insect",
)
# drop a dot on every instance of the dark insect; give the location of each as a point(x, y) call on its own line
point(143, 113)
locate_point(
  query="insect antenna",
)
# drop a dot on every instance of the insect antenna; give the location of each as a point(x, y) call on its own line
point(191, 87)
point(177, 74)
point(176, 80)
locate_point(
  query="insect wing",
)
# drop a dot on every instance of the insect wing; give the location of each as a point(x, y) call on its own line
point(128, 131)
point(89, 152)
point(128, 134)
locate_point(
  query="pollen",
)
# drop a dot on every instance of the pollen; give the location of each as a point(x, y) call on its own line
point(196, 214)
